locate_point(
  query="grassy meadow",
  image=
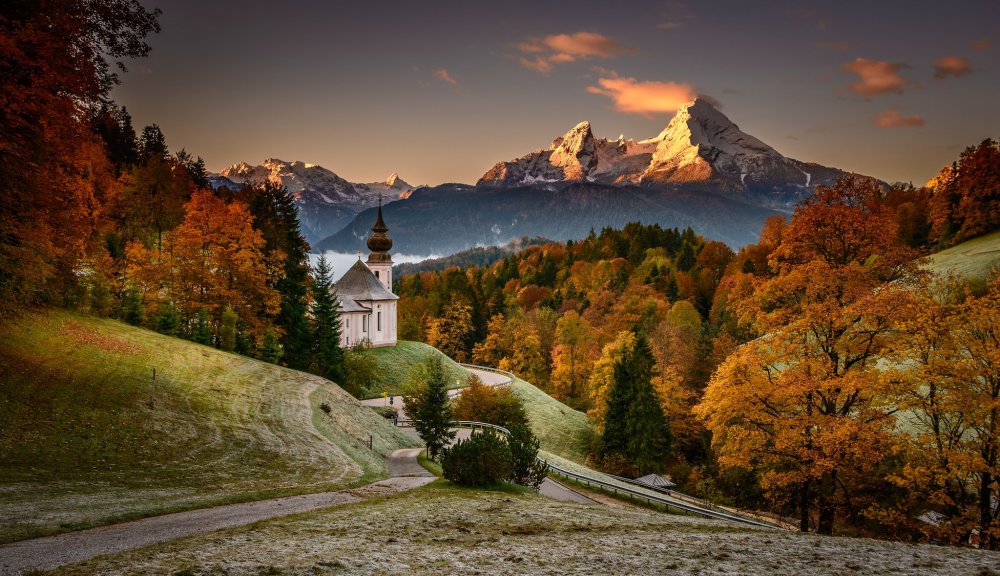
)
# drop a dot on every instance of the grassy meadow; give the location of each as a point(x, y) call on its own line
point(88, 436)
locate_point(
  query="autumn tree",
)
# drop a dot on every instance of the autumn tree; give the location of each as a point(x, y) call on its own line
point(216, 260)
point(602, 376)
point(805, 404)
point(950, 382)
point(55, 67)
point(496, 405)
point(452, 332)
point(572, 357)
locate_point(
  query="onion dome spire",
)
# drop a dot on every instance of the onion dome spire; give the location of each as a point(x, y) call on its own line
point(379, 241)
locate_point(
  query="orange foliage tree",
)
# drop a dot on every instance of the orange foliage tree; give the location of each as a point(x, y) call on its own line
point(55, 58)
point(950, 380)
point(804, 404)
point(215, 259)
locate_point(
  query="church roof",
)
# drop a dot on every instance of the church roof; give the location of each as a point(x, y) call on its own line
point(349, 305)
point(359, 284)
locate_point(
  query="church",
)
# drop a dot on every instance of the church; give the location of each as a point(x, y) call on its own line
point(367, 304)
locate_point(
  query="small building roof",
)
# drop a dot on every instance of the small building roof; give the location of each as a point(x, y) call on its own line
point(360, 284)
point(655, 481)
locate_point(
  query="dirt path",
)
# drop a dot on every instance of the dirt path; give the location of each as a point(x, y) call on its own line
point(54, 551)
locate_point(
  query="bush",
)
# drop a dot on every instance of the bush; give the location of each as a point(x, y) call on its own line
point(483, 459)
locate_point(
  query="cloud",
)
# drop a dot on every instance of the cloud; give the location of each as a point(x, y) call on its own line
point(981, 45)
point(893, 119)
point(951, 66)
point(538, 64)
point(644, 97)
point(669, 25)
point(443, 74)
point(876, 77)
point(564, 48)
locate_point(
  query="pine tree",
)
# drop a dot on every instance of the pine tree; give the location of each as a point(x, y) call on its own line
point(327, 355)
point(202, 332)
point(527, 470)
point(634, 425)
point(429, 409)
point(276, 217)
point(227, 329)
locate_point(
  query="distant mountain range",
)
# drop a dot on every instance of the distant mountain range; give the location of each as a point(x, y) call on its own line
point(326, 202)
point(701, 171)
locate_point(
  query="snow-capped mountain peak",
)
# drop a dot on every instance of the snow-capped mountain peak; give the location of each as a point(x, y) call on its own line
point(699, 144)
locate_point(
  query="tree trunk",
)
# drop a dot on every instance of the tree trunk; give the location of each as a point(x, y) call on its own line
point(987, 540)
point(826, 513)
point(804, 502)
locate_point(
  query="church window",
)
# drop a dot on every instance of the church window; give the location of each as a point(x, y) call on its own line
point(364, 323)
point(379, 318)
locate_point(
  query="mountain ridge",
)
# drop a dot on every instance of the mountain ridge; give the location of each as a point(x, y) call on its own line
point(699, 145)
point(325, 201)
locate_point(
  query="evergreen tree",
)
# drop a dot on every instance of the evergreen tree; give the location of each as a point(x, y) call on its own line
point(429, 409)
point(634, 425)
point(168, 319)
point(132, 304)
point(327, 355)
point(526, 470)
point(227, 329)
point(275, 215)
point(152, 144)
point(202, 332)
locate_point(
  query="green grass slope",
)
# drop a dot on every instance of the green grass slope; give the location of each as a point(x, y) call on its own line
point(972, 259)
point(560, 429)
point(396, 361)
point(87, 436)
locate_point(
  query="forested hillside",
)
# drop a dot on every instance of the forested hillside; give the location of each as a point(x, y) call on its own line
point(750, 350)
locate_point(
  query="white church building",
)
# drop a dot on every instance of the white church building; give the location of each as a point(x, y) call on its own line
point(367, 304)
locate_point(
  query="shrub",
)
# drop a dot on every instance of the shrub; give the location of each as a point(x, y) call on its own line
point(483, 459)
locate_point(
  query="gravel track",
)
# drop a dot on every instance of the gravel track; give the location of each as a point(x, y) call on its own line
point(54, 551)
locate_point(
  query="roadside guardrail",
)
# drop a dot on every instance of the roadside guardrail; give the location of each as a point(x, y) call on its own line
point(591, 481)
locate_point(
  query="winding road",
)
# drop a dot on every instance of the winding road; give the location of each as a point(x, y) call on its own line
point(54, 551)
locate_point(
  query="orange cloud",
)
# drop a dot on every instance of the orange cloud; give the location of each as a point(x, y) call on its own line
point(951, 66)
point(893, 119)
point(564, 48)
point(443, 74)
point(538, 64)
point(644, 97)
point(876, 77)
point(981, 45)
point(669, 25)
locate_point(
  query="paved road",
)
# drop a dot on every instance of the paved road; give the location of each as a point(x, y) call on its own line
point(54, 551)
point(549, 487)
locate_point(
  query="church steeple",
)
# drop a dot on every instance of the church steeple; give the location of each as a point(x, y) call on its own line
point(379, 261)
point(379, 241)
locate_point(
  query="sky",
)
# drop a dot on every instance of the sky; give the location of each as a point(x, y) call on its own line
point(440, 91)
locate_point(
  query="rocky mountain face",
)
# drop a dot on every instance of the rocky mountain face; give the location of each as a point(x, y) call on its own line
point(325, 201)
point(699, 145)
